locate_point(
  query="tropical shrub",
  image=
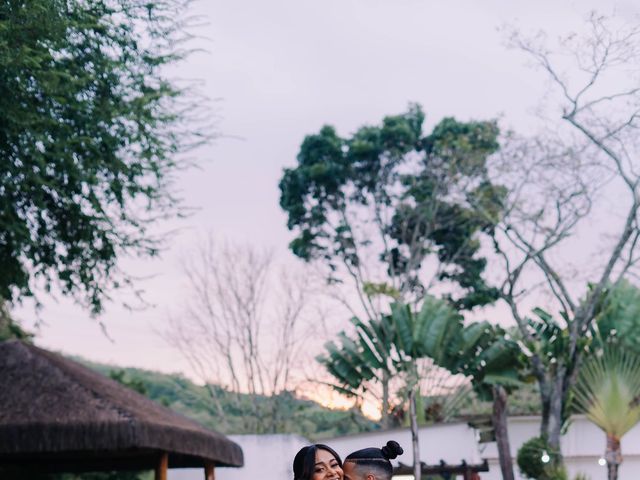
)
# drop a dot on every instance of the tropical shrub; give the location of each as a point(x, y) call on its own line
point(607, 392)
point(535, 461)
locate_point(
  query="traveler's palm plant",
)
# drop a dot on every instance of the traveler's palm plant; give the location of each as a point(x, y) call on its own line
point(608, 393)
point(427, 351)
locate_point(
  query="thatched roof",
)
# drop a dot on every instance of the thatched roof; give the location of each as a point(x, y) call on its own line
point(57, 412)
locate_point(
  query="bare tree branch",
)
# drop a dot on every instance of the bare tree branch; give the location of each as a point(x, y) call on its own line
point(602, 149)
point(244, 328)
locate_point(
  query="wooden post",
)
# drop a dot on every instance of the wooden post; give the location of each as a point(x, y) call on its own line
point(209, 472)
point(162, 466)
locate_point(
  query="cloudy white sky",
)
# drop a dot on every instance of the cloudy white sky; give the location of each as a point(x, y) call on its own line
point(283, 68)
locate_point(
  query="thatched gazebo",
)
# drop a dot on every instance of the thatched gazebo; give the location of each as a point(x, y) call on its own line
point(59, 416)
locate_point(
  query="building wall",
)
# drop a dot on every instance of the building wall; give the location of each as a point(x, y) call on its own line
point(266, 457)
point(269, 457)
point(451, 443)
point(583, 445)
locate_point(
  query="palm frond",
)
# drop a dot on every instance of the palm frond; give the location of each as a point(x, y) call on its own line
point(608, 390)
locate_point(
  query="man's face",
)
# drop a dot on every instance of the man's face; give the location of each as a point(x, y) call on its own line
point(353, 471)
point(350, 471)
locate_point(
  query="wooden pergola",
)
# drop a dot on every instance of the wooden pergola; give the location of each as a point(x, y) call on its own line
point(467, 470)
point(59, 416)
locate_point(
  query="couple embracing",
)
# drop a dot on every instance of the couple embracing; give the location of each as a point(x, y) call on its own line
point(321, 462)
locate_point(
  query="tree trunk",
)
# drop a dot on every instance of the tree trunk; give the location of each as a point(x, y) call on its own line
point(555, 416)
point(613, 456)
point(499, 420)
point(545, 403)
point(385, 399)
point(612, 471)
point(413, 415)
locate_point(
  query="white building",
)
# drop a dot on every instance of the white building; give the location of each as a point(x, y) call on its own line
point(269, 457)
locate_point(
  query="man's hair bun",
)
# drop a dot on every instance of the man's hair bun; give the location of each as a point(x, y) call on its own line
point(391, 450)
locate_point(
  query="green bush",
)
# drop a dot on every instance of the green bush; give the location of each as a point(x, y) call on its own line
point(530, 457)
point(530, 461)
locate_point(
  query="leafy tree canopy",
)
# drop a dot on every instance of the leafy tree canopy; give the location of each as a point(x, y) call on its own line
point(89, 135)
point(10, 329)
point(410, 198)
point(619, 315)
point(391, 347)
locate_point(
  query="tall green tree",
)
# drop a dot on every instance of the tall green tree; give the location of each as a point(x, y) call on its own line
point(90, 136)
point(395, 210)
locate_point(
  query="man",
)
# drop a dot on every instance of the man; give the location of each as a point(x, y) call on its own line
point(371, 463)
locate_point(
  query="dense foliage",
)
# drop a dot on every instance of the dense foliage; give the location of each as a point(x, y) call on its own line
point(535, 460)
point(390, 195)
point(9, 329)
point(480, 351)
point(300, 416)
point(405, 352)
point(618, 319)
point(89, 137)
point(523, 401)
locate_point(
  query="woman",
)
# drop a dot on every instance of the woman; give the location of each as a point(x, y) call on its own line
point(317, 462)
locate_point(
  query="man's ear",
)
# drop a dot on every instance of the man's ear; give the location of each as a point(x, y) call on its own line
point(370, 476)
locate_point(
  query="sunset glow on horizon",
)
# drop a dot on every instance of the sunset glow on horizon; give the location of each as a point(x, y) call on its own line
point(327, 397)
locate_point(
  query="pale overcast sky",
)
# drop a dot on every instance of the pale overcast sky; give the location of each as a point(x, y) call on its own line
point(281, 70)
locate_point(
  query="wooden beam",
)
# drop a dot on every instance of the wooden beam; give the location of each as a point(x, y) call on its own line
point(209, 472)
point(162, 466)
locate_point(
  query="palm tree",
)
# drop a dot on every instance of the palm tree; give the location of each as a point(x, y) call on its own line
point(415, 348)
point(428, 334)
point(608, 393)
point(491, 359)
point(367, 358)
point(406, 347)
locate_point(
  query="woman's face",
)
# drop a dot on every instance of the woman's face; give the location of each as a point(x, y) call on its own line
point(327, 467)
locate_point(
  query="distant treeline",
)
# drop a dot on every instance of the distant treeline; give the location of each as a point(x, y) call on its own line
point(300, 416)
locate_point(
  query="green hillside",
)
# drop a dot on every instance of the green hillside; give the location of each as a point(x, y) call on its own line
point(284, 413)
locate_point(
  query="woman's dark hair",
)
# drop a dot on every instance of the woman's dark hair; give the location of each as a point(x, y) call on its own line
point(377, 457)
point(304, 462)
